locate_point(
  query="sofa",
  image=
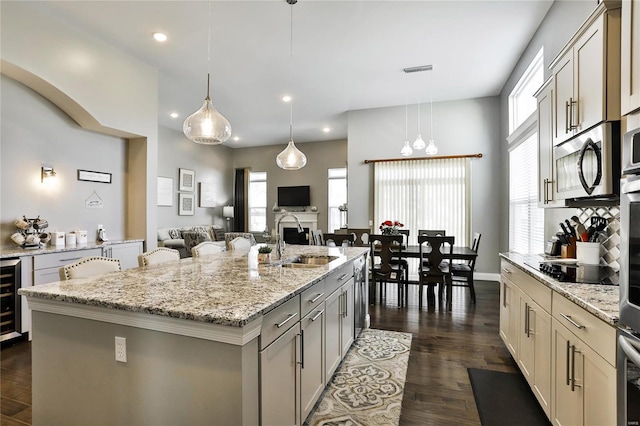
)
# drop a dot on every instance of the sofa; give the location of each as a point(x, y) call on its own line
point(185, 238)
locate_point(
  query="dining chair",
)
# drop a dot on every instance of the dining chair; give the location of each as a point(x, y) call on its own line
point(240, 243)
point(435, 268)
point(333, 240)
point(465, 270)
point(158, 255)
point(318, 237)
point(205, 248)
point(89, 266)
point(361, 236)
point(432, 232)
point(386, 250)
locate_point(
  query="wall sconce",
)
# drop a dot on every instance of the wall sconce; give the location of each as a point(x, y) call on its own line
point(46, 173)
point(227, 211)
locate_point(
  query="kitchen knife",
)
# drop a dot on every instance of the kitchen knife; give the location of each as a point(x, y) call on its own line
point(565, 230)
point(572, 231)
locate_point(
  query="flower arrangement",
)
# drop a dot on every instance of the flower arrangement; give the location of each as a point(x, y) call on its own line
point(390, 227)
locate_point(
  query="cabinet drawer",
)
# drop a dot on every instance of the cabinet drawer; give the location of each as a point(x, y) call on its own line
point(539, 292)
point(312, 297)
point(276, 322)
point(56, 260)
point(338, 277)
point(46, 275)
point(597, 334)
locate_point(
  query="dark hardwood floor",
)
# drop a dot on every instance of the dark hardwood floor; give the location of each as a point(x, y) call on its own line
point(437, 390)
point(444, 345)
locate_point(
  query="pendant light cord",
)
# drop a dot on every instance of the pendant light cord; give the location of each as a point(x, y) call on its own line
point(209, 52)
point(291, 72)
point(431, 102)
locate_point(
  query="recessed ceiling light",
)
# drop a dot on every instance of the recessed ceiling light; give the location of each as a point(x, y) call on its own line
point(161, 37)
point(174, 115)
point(326, 130)
point(286, 98)
point(236, 138)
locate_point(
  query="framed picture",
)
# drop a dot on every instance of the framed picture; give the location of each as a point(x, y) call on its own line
point(186, 204)
point(90, 176)
point(207, 195)
point(187, 180)
point(165, 191)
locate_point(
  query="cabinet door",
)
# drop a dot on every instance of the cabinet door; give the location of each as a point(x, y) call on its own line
point(562, 98)
point(630, 59)
point(599, 388)
point(333, 323)
point(279, 387)
point(127, 253)
point(588, 82)
point(348, 317)
point(509, 302)
point(312, 378)
point(545, 148)
point(567, 402)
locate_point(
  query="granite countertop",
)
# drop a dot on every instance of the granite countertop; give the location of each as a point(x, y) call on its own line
point(228, 288)
point(16, 251)
point(603, 301)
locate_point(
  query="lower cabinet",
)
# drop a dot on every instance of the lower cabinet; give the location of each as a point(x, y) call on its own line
point(340, 326)
point(509, 296)
point(46, 267)
point(126, 252)
point(312, 378)
point(279, 387)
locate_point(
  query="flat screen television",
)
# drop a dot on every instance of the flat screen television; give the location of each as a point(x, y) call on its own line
point(294, 196)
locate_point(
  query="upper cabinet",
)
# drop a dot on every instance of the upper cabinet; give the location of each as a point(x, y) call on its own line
point(546, 187)
point(630, 43)
point(586, 75)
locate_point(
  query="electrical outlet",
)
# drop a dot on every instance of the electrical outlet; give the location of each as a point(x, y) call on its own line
point(121, 349)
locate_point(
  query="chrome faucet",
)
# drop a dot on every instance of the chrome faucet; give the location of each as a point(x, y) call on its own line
point(279, 242)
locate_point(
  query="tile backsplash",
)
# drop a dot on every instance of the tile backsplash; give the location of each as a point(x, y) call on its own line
point(610, 238)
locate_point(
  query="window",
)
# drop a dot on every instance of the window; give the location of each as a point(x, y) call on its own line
point(337, 191)
point(425, 194)
point(526, 219)
point(521, 101)
point(257, 201)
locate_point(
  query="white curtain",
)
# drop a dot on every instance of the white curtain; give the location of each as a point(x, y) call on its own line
point(425, 194)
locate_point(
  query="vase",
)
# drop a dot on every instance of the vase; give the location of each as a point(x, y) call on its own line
point(264, 257)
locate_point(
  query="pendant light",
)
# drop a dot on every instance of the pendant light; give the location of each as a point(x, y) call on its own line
point(419, 144)
point(291, 158)
point(207, 126)
point(431, 149)
point(406, 149)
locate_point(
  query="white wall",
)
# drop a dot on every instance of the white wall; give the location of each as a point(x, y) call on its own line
point(36, 132)
point(460, 127)
point(211, 164)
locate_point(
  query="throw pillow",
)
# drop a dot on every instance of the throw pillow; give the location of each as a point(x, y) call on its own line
point(218, 233)
point(174, 234)
point(193, 238)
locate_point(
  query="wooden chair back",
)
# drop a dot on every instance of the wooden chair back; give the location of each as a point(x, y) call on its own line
point(432, 232)
point(388, 248)
point(338, 240)
point(318, 237)
point(433, 262)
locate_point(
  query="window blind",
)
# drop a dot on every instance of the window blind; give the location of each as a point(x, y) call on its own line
point(425, 194)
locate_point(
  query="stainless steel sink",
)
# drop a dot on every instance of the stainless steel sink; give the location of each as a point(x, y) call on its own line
point(309, 261)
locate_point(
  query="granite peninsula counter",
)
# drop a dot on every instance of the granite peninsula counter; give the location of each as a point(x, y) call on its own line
point(195, 338)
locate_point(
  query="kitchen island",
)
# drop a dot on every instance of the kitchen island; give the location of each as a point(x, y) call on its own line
point(202, 339)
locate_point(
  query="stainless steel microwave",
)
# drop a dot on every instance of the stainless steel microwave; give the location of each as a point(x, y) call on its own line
point(631, 152)
point(588, 165)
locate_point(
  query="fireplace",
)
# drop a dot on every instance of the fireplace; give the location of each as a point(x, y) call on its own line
point(308, 220)
point(292, 236)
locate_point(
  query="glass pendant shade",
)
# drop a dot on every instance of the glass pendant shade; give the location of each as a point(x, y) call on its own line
point(291, 158)
point(431, 149)
point(419, 143)
point(207, 126)
point(406, 149)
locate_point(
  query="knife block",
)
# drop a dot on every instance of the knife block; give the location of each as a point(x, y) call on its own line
point(568, 251)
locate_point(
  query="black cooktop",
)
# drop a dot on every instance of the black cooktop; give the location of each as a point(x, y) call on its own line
point(577, 273)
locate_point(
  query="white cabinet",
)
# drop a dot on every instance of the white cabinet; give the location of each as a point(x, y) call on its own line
point(312, 378)
point(586, 76)
point(46, 267)
point(340, 326)
point(126, 252)
point(547, 196)
point(347, 317)
point(584, 359)
point(509, 297)
point(630, 59)
point(333, 343)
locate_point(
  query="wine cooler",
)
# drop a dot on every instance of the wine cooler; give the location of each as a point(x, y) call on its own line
point(9, 299)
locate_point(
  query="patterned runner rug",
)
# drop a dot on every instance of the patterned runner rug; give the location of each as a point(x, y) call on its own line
point(367, 388)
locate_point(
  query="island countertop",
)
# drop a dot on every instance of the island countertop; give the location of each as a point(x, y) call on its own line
point(228, 288)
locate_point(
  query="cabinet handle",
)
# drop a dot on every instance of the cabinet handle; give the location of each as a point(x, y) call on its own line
point(573, 368)
point(289, 318)
point(526, 319)
point(568, 362)
point(315, 299)
point(506, 271)
point(571, 125)
point(545, 191)
point(504, 295)
point(316, 316)
point(343, 276)
point(346, 306)
point(566, 117)
point(69, 260)
point(301, 349)
point(575, 324)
